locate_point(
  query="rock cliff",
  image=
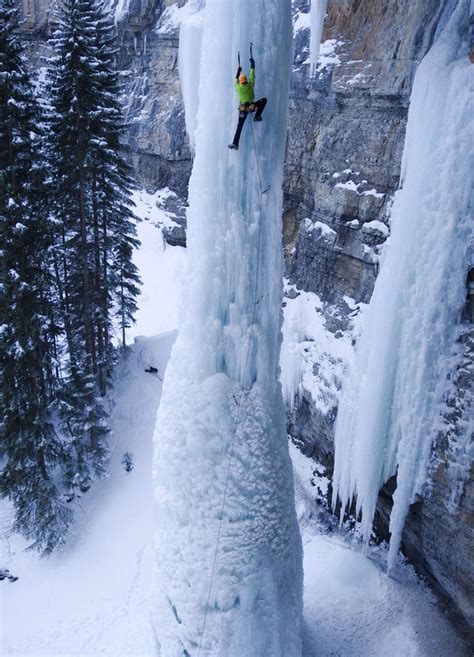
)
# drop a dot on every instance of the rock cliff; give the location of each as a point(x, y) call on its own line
point(345, 140)
point(346, 135)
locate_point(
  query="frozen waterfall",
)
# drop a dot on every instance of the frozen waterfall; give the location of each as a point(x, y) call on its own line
point(390, 408)
point(220, 431)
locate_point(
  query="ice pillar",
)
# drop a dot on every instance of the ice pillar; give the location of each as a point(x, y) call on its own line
point(220, 432)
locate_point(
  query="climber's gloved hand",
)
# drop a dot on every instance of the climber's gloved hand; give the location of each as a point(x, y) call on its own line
point(239, 71)
point(252, 62)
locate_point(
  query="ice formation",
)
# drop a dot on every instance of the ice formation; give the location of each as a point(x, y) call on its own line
point(190, 43)
point(220, 432)
point(391, 403)
point(317, 14)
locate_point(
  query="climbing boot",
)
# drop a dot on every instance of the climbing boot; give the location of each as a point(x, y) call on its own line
point(258, 118)
point(233, 147)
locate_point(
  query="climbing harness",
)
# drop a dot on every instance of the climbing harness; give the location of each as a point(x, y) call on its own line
point(247, 107)
point(242, 392)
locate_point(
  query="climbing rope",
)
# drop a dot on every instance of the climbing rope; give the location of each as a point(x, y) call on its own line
point(241, 392)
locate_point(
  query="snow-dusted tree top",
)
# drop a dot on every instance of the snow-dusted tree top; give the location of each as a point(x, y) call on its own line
point(390, 408)
point(220, 433)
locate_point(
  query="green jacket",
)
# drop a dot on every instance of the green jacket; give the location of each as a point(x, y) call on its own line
point(245, 91)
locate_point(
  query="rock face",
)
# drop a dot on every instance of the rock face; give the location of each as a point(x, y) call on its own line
point(157, 136)
point(345, 141)
point(148, 36)
point(156, 140)
point(346, 136)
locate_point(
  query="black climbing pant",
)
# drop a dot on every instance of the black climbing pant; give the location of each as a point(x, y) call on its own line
point(256, 106)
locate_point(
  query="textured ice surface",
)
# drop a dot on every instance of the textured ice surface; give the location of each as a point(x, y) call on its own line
point(221, 394)
point(390, 406)
point(190, 43)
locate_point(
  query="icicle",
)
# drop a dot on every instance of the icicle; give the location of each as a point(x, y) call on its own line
point(392, 400)
point(190, 44)
point(318, 12)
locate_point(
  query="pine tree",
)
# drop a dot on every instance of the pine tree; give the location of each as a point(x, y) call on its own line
point(68, 269)
point(73, 101)
point(95, 275)
point(29, 440)
point(127, 461)
point(113, 182)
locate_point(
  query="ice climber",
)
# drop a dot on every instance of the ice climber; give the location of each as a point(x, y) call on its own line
point(247, 104)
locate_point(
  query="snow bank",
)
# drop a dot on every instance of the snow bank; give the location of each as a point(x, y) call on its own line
point(301, 21)
point(160, 267)
point(390, 406)
point(93, 597)
point(327, 55)
point(220, 432)
point(313, 360)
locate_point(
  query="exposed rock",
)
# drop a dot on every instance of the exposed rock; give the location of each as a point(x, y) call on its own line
point(156, 138)
point(439, 531)
point(346, 135)
point(175, 235)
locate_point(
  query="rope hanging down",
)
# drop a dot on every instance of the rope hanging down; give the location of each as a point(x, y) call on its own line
point(241, 392)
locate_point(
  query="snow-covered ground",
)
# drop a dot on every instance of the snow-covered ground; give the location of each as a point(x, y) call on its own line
point(352, 608)
point(160, 267)
point(94, 597)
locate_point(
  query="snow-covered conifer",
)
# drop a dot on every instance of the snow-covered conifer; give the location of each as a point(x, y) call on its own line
point(96, 278)
point(112, 184)
point(30, 445)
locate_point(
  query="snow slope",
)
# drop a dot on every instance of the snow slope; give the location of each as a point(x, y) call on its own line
point(94, 597)
point(160, 268)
